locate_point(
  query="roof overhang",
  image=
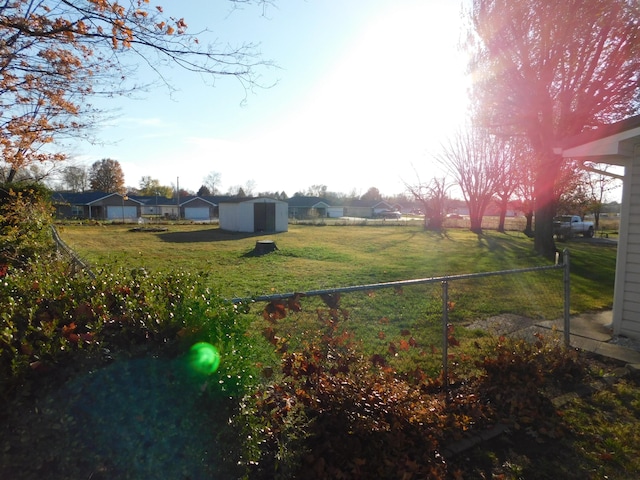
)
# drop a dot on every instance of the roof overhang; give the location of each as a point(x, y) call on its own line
point(613, 144)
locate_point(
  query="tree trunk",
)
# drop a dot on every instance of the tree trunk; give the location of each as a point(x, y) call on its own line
point(528, 230)
point(504, 203)
point(476, 223)
point(546, 206)
point(12, 175)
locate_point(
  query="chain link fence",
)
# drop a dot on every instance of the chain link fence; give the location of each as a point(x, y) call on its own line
point(419, 320)
point(77, 264)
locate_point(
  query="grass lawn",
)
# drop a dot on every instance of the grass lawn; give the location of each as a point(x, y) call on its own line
point(323, 257)
point(319, 257)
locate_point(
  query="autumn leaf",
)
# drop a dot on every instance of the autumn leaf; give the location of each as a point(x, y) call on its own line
point(452, 341)
point(293, 303)
point(332, 300)
point(274, 311)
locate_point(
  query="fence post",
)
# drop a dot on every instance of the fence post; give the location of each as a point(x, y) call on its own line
point(445, 333)
point(567, 291)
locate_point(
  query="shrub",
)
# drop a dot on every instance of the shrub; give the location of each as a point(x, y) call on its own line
point(25, 221)
point(50, 319)
point(331, 412)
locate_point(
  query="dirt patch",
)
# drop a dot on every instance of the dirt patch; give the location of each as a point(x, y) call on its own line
point(504, 324)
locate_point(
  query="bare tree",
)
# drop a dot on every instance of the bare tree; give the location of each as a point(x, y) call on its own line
point(513, 157)
point(475, 160)
point(212, 182)
point(249, 188)
point(433, 196)
point(76, 178)
point(547, 70)
point(599, 182)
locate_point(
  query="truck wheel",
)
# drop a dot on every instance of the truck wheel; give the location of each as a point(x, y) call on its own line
point(589, 233)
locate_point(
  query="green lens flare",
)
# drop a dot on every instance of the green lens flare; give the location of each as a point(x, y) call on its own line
point(205, 358)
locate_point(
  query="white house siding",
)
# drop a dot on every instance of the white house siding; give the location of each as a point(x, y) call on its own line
point(627, 319)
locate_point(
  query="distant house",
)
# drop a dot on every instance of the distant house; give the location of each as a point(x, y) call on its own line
point(96, 206)
point(157, 207)
point(366, 208)
point(198, 209)
point(308, 207)
point(254, 215)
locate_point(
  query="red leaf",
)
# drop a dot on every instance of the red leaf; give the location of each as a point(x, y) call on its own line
point(453, 342)
point(294, 303)
point(274, 310)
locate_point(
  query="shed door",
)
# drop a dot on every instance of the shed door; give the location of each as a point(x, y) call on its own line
point(264, 217)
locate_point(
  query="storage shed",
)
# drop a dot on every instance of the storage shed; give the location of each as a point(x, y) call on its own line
point(254, 215)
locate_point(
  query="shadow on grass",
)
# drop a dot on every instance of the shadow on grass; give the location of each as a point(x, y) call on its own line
point(208, 235)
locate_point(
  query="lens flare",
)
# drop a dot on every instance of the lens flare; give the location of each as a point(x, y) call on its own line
point(205, 358)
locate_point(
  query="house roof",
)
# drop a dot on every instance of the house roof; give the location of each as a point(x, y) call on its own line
point(250, 199)
point(308, 202)
point(601, 132)
point(369, 203)
point(80, 198)
point(208, 200)
point(613, 143)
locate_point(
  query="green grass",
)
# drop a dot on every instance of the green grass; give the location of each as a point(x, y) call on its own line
point(324, 257)
point(312, 257)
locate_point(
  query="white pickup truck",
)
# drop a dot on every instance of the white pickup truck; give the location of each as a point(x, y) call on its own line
point(568, 226)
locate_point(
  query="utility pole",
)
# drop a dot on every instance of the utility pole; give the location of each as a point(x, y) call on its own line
point(178, 195)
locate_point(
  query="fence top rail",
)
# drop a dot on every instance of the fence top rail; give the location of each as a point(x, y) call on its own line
point(395, 284)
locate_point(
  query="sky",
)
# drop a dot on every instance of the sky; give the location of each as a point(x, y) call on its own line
point(363, 93)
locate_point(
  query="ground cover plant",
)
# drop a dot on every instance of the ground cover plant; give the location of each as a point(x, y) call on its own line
point(305, 376)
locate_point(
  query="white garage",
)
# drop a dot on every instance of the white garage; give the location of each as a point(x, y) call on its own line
point(196, 213)
point(197, 209)
point(118, 212)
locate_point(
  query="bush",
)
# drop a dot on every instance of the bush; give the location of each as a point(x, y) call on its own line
point(25, 223)
point(331, 412)
point(51, 319)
